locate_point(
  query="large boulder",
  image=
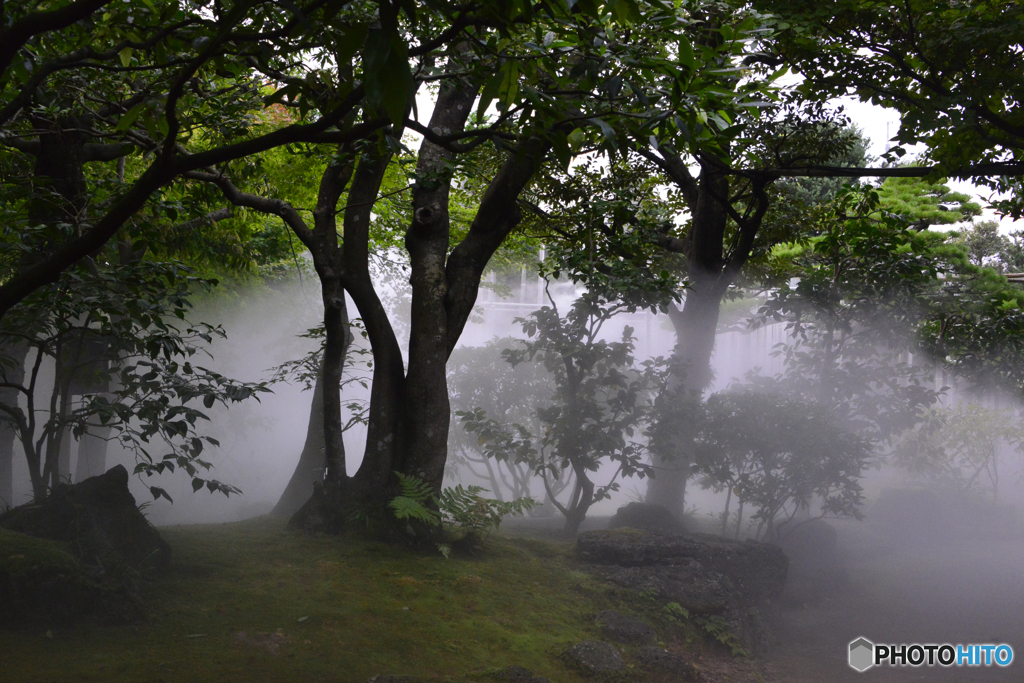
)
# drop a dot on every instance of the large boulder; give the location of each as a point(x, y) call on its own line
point(99, 521)
point(716, 580)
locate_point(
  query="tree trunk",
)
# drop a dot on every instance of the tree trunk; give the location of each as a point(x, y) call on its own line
point(696, 325)
point(425, 404)
point(338, 338)
point(64, 457)
point(577, 512)
point(12, 371)
point(7, 438)
point(312, 462)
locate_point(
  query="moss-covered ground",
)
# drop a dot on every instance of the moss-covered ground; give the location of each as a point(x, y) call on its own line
point(251, 601)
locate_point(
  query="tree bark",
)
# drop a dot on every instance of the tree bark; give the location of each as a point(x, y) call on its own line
point(425, 402)
point(7, 439)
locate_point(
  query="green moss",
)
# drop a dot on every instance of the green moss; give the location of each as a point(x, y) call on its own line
point(42, 582)
point(330, 609)
point(21, 555)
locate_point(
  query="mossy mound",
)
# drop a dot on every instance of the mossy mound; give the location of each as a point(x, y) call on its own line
point(99, 520)
point(42, 583)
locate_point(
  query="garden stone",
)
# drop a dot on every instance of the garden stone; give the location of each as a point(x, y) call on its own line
point(625, 629)
point(714, 579)
point(99, 521)
point(595, 656)
point(645, 517)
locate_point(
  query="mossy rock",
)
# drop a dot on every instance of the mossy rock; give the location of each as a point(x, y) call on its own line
point(42, 583)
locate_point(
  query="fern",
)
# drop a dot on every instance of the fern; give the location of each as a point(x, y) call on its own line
point(411, 504)
point(464, 509)
point(460, 511)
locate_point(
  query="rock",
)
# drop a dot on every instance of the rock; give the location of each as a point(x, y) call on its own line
point(595, 656)
point(99, 520)
point(717, 580)
point(665, 662)
point(688, 584)
point(517, 674)
point(624, 629)
point(757, 570)
point(645, 517)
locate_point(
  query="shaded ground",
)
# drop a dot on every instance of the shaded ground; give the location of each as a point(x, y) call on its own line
point(964, 590)
point(249, 601)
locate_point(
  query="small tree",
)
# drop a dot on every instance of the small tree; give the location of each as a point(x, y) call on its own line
point(599, 403)
point(958, 448)
point(779, 455)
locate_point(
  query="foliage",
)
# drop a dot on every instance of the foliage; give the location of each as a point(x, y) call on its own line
point(596, 411)
point(853, 300)
point(600, 223)
point(958, 448)
point(481, 383)
point(122, 347)
point(953, 70)
point(923, 203)
point(415, 501)
point(467, 515)
point(986, 246)
point(462, 514)
point(780, 455)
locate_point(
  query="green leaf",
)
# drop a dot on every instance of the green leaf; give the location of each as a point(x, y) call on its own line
point(490, 91)
point(158, 492)
point(129, 118)
point(126, 56)
point(686, 57)
point(387, 75)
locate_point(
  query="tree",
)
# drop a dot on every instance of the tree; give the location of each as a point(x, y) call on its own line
point(779, 454)
point(482, 383)
point(985, 246)
point(172, 83)
point(854, 299)
point(958, 448)
point(555, 87)
point(596, 412)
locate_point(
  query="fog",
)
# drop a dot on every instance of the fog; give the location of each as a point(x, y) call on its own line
point(924, 565)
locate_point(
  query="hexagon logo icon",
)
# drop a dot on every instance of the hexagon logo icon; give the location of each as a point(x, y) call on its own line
point(862, 654)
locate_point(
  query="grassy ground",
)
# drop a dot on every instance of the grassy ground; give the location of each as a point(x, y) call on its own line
point(250, 601)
